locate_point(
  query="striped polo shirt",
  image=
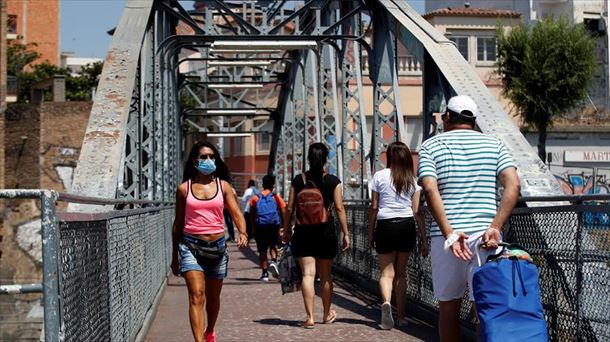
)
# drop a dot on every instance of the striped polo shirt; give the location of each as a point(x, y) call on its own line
point(465, 164)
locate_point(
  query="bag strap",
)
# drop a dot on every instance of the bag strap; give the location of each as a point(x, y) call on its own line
point(304, 177)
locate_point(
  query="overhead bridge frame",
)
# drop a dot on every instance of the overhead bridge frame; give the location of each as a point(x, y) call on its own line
point(134, 144)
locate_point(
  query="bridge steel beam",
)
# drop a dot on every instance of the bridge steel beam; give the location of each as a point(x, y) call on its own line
point(106, 132)
point(354, 133)
point(388, 121)
point(311, 98)
point(410, 27)
point(299, 127)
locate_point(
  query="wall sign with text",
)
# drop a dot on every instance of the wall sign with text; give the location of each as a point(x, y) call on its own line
point(590, 156)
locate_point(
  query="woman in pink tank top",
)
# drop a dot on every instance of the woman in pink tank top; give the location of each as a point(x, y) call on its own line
point(199, 247)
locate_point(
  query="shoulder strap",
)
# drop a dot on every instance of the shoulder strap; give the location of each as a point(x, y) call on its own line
point(222, 193)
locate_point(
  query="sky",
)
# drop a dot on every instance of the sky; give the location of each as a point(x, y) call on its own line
point(84, 24)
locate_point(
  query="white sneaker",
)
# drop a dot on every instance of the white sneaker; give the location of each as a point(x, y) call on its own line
point(387, 322)
point(275, 272)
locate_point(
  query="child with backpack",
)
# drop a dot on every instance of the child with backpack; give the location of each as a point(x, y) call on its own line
point(267, 212)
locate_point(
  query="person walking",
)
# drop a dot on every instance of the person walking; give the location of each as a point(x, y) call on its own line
point(198, 240)
point(458, 171)
point(267, 210)
point(245, 200)
point(314, 240)
point(394, 204)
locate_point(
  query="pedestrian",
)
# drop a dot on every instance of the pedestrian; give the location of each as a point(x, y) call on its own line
point(198, 238)
point(314, 240)
point(229, 221)
point(267, 210)
point(394, 204)
point(458, 171)
point(245, 200)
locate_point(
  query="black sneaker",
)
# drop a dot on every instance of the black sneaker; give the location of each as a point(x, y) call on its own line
point(264, 277)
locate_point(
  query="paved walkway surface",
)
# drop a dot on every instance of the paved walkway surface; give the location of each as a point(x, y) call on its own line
point(252, 310)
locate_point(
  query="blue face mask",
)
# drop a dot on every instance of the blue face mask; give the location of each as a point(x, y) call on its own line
point(206, 166)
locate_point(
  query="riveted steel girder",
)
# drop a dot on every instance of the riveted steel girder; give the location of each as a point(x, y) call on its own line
point(99, 167)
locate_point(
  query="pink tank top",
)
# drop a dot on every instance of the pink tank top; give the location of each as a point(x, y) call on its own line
point(204, 216)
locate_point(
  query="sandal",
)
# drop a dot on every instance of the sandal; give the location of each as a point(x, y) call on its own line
point(332, 316)
point(403, 323)
point(307, 325)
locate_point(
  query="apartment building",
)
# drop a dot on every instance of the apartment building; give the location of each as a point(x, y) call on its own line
point(35, 21)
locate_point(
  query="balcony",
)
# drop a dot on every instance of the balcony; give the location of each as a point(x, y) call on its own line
point(407, 65)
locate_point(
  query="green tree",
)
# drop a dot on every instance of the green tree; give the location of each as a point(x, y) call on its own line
point(39, 72)
point(546, 70)
point(78, 88)
point(18, 57)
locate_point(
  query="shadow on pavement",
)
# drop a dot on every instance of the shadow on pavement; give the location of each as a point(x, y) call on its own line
point(249, 253)
point(278, 321)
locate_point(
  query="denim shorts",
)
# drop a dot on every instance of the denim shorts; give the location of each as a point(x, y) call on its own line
point(188, 262)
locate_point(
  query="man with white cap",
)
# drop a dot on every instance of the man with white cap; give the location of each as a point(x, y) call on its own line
point(458, 171)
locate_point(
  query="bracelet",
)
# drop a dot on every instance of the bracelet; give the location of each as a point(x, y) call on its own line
point(498, 230)
point(451, 239)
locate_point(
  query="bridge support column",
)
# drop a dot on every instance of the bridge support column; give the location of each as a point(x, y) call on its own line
point(388, 122)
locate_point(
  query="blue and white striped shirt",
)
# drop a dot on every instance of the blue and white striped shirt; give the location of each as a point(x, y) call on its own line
point(465, 164)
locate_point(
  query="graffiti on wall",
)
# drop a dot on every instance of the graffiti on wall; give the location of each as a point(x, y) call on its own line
point(582, 184)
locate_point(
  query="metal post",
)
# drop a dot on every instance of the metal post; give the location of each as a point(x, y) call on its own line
point(51, 267)
point(579, 268)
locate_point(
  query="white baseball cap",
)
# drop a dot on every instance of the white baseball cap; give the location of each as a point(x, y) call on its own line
point(459, 104)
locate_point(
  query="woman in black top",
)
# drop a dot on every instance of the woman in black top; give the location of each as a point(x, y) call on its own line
point(315, 246)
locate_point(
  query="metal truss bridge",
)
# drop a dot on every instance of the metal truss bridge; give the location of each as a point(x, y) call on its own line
point(294, 71)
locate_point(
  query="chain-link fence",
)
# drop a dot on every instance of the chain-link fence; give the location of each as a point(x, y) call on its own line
point(113, 266)
point(102, 272)
point(570, 245)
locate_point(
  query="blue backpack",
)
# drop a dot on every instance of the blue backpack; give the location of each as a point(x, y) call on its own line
point(266, 209)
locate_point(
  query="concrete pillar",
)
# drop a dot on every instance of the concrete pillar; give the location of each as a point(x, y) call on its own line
point(59, 88)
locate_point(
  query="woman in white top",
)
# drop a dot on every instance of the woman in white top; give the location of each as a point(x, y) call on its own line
point(395, 203)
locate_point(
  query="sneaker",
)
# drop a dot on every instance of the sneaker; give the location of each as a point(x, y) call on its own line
point(387, 322)
point(275, 272)
point(210, 337)
point(264, 277)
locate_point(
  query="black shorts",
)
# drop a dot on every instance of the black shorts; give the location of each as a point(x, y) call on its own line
point(395, 235)
point(266, 237)
point(319, 241)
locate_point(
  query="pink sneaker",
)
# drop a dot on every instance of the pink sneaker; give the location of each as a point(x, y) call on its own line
point(209, 337)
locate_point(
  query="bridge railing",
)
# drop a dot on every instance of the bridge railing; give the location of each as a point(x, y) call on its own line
point(102, 272)
point(574, 268)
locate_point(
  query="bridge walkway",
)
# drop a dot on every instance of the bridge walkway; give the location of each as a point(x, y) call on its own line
point(252, 310)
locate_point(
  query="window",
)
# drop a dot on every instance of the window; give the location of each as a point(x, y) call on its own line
point(263, 142)
point(12, 24)
point(486, 49)
point(461, 44)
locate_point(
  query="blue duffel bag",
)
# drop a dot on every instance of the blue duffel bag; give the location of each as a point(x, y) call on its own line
point(507, 297)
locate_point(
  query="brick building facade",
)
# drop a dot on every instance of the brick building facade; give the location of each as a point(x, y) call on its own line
point(36, 21)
